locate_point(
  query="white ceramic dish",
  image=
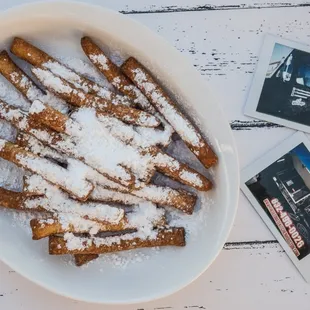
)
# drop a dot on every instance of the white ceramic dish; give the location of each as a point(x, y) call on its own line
point(57, 27)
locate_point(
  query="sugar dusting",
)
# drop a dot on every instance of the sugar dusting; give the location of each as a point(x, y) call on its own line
point(86, 69)
point(184, 128)
point(193, 224)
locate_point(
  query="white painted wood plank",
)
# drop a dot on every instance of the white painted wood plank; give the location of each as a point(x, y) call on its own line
point(149, 6)
point(259, 277)
point(225, 46)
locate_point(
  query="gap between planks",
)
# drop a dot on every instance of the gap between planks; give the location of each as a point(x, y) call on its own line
point(211, 7)
point(253, 124)
point(247, 245)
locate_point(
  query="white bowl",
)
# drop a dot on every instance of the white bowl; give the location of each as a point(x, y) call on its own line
point(57, 27)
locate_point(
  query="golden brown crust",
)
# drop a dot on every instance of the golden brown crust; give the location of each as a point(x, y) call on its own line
point(178, 171)
point(203, 152)
point(110, 71)
point(83, 259)
point(15, 200)
point(28, 52)
point(13, 153)
point(174, 236)
point(15, 75)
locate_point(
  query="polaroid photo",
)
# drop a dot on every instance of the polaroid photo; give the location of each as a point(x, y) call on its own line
point(278, 186)
point(280, 92)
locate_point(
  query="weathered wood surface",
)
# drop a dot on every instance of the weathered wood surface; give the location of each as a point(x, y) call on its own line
point(222, 39)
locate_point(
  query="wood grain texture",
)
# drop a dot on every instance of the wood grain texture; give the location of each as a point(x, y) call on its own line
point(166, 6)
point(225, 46)
point(191, 7)
point(222, 39)
point(245, 276)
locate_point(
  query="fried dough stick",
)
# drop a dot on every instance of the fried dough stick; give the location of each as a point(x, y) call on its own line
point(57, 141)
point(63, 124)
point(53, 173)
point(38, 58)
point(51, 226)
point(22, 82)
point(114, 74)
point(180, 172)
point(164, 104)
point(15, 200)
point(83, 259)
point(109, 191)
point(120, 81)
point(78, 97)
point(174, 236)
point(163, 162)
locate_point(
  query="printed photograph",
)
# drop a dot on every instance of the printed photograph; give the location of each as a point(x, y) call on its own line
point(283, 192)
point(286, 89)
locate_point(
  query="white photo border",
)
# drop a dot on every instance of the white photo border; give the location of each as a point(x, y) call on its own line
point(259, 79)
point(255, 168)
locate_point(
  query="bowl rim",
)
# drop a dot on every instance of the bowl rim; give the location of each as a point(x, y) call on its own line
point(78, 6)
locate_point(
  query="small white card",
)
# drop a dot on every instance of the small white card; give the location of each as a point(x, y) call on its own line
point(278, 186)
point(280, 91)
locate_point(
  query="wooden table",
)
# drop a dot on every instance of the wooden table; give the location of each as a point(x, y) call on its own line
point(222, 38)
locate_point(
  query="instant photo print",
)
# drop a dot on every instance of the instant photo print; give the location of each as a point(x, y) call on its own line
point(278, 186)
point(280, 92)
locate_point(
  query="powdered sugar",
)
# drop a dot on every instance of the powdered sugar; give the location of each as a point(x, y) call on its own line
point(137, 136)
point(119, 137)
point(57, 201)
point(183, 127)
point(37, 107)
point(51, 80)
point(7, 131)
point(33, 92)
point(87, 70)
point(101, 60)
point(92, 140)
point(80, 82)
point(102, 194)
point(66, 73)
point(80, 243)
point(9, 94)
point(191, 177)
point(195, 223)
point(66, 179)
point(144, 217)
